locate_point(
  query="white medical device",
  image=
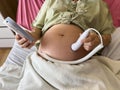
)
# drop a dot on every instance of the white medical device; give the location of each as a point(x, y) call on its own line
point(17, 29)
point(75, 46)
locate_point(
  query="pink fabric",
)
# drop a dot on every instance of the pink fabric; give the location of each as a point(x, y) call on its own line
point(27, 11)
point(114, 6)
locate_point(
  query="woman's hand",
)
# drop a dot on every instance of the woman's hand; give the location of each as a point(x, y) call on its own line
point(91, 41)
point(25, 43)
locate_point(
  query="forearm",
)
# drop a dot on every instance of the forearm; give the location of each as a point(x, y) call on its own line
point(36, 33)
point(106, 39)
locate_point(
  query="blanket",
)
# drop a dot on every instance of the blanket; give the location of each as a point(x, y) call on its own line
point(98, 73)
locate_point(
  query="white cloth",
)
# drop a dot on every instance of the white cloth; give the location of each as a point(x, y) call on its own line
point(98, 73)
point(95, 74)
point(18, 55)
point(113, 49)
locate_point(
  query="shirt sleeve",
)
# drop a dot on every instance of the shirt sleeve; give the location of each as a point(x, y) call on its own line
point(107, 26)
point(98, 16)
point(40, 18)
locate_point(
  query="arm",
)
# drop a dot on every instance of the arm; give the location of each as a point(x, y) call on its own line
point(36, 33)
point(93, 40)
point(24, 43)
point(106, 39)
point(37, 25)
point(103, 23)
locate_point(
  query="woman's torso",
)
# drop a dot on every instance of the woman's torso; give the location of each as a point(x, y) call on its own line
point(57, 41)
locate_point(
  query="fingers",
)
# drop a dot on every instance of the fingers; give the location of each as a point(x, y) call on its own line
point(23, 42)
point(26, 44)
point(91, 41)
point(17, 37)
point(91, 37)
point(88, 46)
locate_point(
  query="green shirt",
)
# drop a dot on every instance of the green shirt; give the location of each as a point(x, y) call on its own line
point(84, 13)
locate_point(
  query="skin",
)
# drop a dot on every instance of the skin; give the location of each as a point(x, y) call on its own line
point(89, 43)
point(35, 33)
point(57, 41)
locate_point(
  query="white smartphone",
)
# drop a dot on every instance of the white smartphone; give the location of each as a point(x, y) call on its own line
point(17, 29)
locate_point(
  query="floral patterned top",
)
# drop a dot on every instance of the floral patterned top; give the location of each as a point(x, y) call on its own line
point(83, 13)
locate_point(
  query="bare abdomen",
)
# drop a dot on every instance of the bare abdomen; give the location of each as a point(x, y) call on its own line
point(57, 42)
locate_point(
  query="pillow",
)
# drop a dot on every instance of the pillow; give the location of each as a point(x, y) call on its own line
point(27, 11)
point(114, 6)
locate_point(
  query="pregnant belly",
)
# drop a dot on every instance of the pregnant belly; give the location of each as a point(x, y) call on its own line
point(57, 41)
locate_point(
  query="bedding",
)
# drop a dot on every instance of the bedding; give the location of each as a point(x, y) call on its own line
point(98, 73)
point(27, 11)
point(114, 6)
